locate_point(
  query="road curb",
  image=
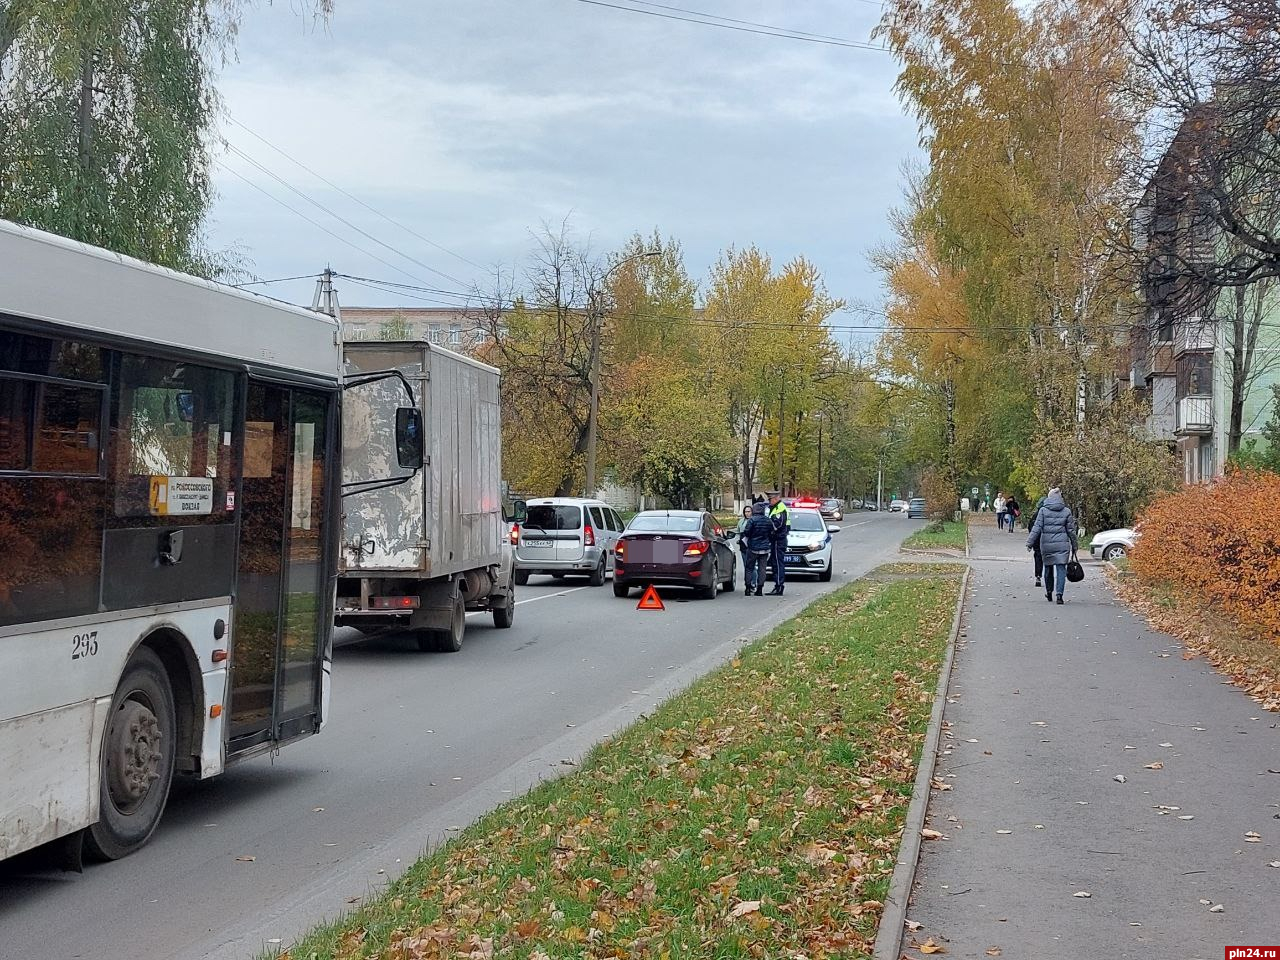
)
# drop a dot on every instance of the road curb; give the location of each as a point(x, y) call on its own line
point(888, 945)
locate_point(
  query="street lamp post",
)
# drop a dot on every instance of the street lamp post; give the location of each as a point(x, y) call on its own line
point(884, 452)
point(597, 320)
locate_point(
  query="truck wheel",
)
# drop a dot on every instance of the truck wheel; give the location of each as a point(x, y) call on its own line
point(522, 577)
point(597, 575)
point(620, 589)
point(505, 615)
point(448, 640)
point(137, 759)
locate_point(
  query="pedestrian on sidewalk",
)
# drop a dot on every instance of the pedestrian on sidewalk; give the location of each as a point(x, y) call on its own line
point(1000, 510)
point(781, 521)
point(757, 544)
point(1012, 510)
point(1055, 530)
point(1039, 557)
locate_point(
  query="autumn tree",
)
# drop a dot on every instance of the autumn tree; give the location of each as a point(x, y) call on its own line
point(1107, 467)
point(539, 333)
point(929, 343)
point(1023, 114)
point(768, 330)
point(1024, 122)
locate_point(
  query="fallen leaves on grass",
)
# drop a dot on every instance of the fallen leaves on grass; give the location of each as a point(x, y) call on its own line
point(763, 807)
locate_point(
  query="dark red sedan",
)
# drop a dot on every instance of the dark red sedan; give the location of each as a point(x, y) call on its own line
point(685, 548)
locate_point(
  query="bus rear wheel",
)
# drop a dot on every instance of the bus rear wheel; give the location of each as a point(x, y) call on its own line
point(137, 759)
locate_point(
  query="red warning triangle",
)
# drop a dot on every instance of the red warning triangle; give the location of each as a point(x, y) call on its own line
point(651, 600)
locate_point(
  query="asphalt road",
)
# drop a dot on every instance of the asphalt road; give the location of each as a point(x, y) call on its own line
point(416, 747)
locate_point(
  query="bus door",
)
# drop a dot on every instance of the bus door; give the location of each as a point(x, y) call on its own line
point(281, 607)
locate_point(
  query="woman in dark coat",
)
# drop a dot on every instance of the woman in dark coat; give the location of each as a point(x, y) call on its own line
point(1055, 530)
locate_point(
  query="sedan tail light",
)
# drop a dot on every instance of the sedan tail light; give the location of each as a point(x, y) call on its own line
point(589, 536)
point(697, 548)
point(515, 534)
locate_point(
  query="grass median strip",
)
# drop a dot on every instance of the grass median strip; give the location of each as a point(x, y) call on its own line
point(756, 814)
point(941, 534)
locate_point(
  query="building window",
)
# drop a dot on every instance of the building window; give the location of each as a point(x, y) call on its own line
point(455, 334)
point(437, 333)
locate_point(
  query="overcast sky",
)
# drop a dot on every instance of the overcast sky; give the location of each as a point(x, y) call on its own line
point(474, 121)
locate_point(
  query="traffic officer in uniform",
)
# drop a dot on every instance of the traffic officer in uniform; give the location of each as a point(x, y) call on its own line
point(781, 521)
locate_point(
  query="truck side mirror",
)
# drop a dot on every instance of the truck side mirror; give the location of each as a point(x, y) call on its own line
point(409, 446)
point(521, 511)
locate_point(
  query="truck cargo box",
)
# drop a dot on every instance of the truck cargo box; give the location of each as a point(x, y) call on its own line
point(448, 518)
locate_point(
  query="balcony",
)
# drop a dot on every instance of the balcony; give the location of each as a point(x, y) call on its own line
point(1193, 334)
point(1195, 416)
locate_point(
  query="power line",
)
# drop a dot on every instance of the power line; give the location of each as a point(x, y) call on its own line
point(315, 223)
point(353, 197)
point(320, 206)
point(752, 23)
point(765, 30)
point(254, 283)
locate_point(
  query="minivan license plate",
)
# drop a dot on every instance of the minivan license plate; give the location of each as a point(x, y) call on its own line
point(537, 543)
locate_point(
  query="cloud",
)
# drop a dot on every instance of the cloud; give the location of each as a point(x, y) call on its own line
point(474, 122)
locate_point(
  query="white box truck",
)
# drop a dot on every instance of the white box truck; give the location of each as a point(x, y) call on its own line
point(422, 548)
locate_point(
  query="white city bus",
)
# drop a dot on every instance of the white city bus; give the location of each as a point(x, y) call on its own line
point(169, 483)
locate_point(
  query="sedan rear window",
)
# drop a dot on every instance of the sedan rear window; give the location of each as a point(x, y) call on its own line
point(662, 523)
point(554, 517)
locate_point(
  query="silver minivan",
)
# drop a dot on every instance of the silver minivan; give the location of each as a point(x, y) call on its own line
point(567, 536)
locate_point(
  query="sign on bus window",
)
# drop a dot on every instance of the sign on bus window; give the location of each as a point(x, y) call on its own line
point(172, 435)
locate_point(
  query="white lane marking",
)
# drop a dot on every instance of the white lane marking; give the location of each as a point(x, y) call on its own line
point(548, 596)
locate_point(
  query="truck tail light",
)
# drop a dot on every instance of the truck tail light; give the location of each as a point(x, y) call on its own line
point(393, 603)
point(697, 548)
point(589, 536)
point(621, 549)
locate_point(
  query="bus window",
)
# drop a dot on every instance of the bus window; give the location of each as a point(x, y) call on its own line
point(67, 426)
point(172, 422)
point(50, 526)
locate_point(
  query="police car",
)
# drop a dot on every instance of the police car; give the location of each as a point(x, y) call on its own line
point(809, 543)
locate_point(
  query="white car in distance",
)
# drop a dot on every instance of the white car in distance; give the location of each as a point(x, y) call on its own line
point(1112, 544)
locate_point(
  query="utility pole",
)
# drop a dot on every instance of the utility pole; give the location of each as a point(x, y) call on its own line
point(880, 483)
point(593, 414)
point(782, 411)
point(326, 296)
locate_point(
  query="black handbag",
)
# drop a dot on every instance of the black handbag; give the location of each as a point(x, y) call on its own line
point(1075, 572)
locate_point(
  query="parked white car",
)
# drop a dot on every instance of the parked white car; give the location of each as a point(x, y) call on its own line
point(1112, 544)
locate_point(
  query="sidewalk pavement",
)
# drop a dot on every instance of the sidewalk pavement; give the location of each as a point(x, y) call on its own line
point(1047, 706)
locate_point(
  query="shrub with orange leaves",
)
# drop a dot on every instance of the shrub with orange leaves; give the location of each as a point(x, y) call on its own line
point(1222, 543)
